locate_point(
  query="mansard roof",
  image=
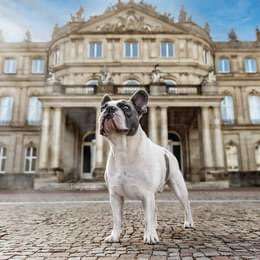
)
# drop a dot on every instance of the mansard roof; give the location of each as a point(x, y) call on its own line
point(129, 17)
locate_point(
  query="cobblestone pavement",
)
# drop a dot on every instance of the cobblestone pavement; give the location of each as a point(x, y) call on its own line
point(73, 226)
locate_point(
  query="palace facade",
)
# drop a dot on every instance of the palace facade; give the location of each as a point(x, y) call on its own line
point(204, 95)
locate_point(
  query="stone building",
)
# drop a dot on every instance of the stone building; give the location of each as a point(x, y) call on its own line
point(204, 104)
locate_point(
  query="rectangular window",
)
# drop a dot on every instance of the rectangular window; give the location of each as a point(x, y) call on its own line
point(10, 66)
point(254, 109)
point(167, 50)
point(56, 57)
point(30, 160)
point(34, 111)
point(131, 49)
point(6, 110)
point(250, 65)
point(227, 110)
point(2, 159)
point(95, 50)
point(224, 66)
point(37, 66)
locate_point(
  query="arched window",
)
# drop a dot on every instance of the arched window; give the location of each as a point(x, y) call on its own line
point(254, 108)
point(3, 157)
point(175, 146)
point(227, 110)
point(34, 115)
point(224, 65)
point(30, 159)
point(131, 49)
point(92, 82)
point(6, 110)
point(232, 157)
point(37, 66)
point(250, 65)
point(88, 154)
point(167, 49)
point(257, 156)
point(132, 82)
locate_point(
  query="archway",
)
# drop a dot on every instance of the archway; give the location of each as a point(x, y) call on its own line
point(175, 146)
point(88, 154)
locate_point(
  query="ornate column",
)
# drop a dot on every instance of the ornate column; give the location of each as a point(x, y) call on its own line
point(164, 127)
point(153, 125)
point(56, 138)
point(218, 139)
point(45, 135)
point(206, 140)
point(99, 167)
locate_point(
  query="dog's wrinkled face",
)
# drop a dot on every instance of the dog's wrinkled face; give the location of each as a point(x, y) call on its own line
point(122, 116)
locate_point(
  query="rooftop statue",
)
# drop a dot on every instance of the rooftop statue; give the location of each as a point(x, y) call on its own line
point(79, 15)
point(257, 34)
point(183, 15)
point(28, 36)
point(232, 36)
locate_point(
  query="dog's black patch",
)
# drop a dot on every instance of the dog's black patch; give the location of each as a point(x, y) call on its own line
point(167, 164)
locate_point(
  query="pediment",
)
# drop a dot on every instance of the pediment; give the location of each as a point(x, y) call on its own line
point(131, 19)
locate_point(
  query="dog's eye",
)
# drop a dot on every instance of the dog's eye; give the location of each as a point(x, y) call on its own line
point(103, 107)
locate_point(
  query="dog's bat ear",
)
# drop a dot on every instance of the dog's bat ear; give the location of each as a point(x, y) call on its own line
point(140, 101)
point(105, 99)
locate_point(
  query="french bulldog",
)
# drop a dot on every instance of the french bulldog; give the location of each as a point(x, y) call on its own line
point(136, 167)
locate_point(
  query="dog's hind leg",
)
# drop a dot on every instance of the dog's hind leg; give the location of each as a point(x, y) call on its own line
point(117, 211)
point(177, 182)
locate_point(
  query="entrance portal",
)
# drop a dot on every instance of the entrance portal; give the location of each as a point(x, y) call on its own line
point(88, 155)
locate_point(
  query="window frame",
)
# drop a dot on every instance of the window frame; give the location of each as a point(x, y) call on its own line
point(8, 72)
point(3, 157)
point(221, 65)
point(167, 43)
point(41, 66)
point(95, 50)
point(233, 119)
point(131, 42)
point(39, 110)
point(247, 64)
point(30, 159)
point(56, 57)
point(10, 118)
point(257, 122)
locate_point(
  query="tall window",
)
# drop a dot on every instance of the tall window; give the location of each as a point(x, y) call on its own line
point(95, 50)
point(250, 65)
point(30, 159)
point(232, 157)
point(254, 109)
point(38, 66)
point(224, 65)
point(10, 66)
point(3, 157)
point(6, 110)
point(56, 57)
point(206, 56)
point(167, 50)
point(131, 49)
point(34, 111)
point(227, 110)
point(257, 156)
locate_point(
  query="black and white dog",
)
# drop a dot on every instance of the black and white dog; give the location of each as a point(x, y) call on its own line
point(137, 168)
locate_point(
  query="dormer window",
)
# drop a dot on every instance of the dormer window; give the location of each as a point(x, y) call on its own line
point(250, 65)
point(224, 65)
point(167, 50)
point(95, 50)
point(131, 49)
point(10, 66)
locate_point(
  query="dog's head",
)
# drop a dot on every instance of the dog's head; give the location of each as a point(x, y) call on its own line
point(122, 116)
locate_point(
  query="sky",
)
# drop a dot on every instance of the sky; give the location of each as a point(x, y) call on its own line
point(39, 16)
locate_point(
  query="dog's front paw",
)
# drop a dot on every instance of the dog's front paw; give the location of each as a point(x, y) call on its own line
point(151, 237)
point(188, 224)
point(112, 239)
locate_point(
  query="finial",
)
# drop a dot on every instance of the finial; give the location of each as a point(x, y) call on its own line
point(79, 15)
point(28, 36)
point(207, 28)
point(182, 15)
point(232, 35)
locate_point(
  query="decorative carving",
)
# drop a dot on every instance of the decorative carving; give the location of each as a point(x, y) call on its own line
point(79, 15)
point(253, 92)
point(156, 74)
point(130, 22)
point(105, 77)
point(232, 36)
point(28, 36)
point(210, 78)
point(183, 15)
point(257, 34)
point(1, 36)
